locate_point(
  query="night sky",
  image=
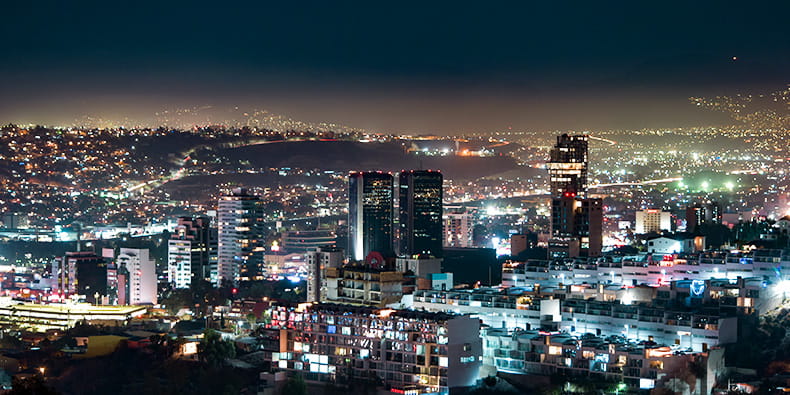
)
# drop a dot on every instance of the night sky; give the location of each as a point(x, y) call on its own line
point(393, 66)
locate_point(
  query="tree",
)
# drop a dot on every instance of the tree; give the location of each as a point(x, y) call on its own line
point(213, 350)
point(295, 386)
point(33, 385)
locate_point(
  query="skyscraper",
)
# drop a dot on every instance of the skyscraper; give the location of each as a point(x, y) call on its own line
point(576, 222)
point(568, 166)
point(420, 213)
point(240, 223)
point(192, 252)
point(370, 214)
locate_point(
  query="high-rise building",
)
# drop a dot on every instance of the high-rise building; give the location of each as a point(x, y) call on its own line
point(192, 252)
point(653, 221)
point(458, 225)
point(80, 273)
point(568, 166)
point(240, 223)
point(576, 227)
point(141, 283)
point(420, 213)
point(370, 214)
point(318, 261)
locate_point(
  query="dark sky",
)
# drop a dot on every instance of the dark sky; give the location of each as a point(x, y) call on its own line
point(393, 66)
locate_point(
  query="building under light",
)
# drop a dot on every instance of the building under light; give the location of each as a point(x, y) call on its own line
point(420, 213)
point(240, 223)
point(370, 214)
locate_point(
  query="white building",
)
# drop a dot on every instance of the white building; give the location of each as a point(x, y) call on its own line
point(653, 221)
point(240, 222)
point(317, 263)
point(458, 229)
point(142, 275)
point(192, 252)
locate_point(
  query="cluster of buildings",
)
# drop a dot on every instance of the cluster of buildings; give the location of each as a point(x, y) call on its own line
point(391, 309)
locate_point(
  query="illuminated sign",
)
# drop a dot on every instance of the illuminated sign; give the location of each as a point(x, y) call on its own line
point(697, 287)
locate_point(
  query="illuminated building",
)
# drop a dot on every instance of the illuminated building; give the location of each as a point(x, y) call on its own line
point(710, 317)
point(318, 261)
point(192, 252)
point(458, 225)
point(568, 166)
point(42, 317)
point(576, 227)
point(650, 269)
point(80, 273)
point(362, 285)
point(240, 223)
point(636, 366)
point(653, 221)
point(420, 213)
point(370, 212)
point(408, 351)
point(141, 284)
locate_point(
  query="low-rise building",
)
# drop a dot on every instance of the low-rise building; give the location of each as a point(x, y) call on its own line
point(406, 351)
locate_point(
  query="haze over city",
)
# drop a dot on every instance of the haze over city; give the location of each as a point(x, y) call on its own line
point(433, 68)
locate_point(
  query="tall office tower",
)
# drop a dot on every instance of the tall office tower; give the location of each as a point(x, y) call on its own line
point(80, 273)
point(192, 252)
point(576, 227)
point(318, 261)
point(420, 213)
point(240, 223)
point(653, 221)
point(141, 283)
point(568, 166)
point(369, 214)
point(458, 225)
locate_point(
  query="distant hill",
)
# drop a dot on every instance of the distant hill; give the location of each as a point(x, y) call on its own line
point(349, 155)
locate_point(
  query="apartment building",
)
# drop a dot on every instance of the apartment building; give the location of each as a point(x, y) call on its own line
point(405, 351)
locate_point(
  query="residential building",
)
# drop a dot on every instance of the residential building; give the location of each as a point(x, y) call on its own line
point(192, 252)
point(318, 261)
point(240, 249)
point(653, 221)
point(407, 351)
point(458, 225)
point(141, 284)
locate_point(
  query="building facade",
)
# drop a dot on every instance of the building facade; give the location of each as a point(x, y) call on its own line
point(240, 246)
point(458, 225)
point(370, 214)
point(653, 221)
point(405, 351)
point(192, 252)
point(141, 286)
point(420, 213)
point(576, 227)
point(568, 166)
point(318, 261)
